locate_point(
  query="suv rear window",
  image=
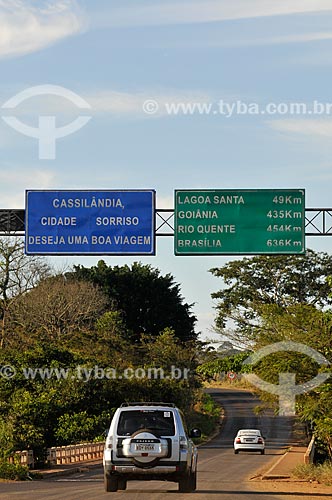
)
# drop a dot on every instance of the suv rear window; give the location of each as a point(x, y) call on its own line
point(161, 422)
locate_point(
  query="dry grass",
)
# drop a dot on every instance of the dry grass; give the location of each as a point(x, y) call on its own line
point(321, 473)
point(227, 384)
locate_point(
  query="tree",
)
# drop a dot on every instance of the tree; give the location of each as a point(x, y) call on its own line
point(149, 302)
point(57, 309)
point(311, 327)
point(233, 363)
point(281, 280)
point(80, 427)
point(19, 273)
point(111, 340)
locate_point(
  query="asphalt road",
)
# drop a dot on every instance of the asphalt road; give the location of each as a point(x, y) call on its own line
point(221, 473)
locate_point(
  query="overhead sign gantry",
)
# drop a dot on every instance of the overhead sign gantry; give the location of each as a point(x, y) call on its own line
point(279, 221)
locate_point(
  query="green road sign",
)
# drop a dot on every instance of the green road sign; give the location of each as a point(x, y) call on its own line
point(249, 221)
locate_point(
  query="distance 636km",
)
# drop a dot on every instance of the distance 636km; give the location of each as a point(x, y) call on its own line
point(283, 243)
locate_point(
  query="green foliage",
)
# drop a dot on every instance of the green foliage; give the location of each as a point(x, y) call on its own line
point(112, 324)
point(6, 439)
point(111, 339)
point(209, 406)
point(205, 415)
point(316, 408)
point(80, 427)
point(69, 340)
point(13, 472)
point(308, 326)
point(281, 280)
point(211, 369)
point(62, 410)
point(148, 301)
point(282, 298)
point(169, 350)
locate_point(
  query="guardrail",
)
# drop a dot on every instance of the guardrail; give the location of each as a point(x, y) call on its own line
point(23, 457)
point(58, 455)
point(309, 454)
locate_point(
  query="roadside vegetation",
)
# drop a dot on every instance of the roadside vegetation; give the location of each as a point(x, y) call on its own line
point(270, 299)
point(206, 415)
point(75, 345)
point(218, 368)
point(321, 473)
point(13, 472)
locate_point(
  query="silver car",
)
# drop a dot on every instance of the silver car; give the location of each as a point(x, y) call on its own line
point(149, 441)
point(249, 440)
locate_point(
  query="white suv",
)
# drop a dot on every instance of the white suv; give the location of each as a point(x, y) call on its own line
point(149, 441)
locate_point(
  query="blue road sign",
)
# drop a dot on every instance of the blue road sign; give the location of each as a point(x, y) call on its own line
point(90, 222)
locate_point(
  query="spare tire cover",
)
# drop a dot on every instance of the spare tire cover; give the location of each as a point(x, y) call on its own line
point(144, 448)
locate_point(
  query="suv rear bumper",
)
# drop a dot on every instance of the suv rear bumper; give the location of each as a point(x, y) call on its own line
point(170, 471)
point(132, 469)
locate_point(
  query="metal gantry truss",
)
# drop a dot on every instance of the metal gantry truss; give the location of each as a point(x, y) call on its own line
point(12, 222)
point(318, 222)
point(165, 222)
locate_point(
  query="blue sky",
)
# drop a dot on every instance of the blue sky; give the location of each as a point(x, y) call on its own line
point(118, 54)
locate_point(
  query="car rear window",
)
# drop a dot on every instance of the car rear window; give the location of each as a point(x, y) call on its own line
point(249, 433)
point(159, 421)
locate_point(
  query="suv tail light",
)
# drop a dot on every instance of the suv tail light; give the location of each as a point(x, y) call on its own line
point(183, 443)
point(109, 443)
point(238, 440)
point(260, 441)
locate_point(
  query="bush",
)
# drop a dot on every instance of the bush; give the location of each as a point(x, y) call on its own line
point(6, 439)
point(14, 472)
point(321, 473)
point(205, 415)
point(80, 427)
point(211, 369)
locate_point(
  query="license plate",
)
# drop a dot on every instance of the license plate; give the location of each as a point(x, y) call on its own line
point(249, 440)
point(144, 447)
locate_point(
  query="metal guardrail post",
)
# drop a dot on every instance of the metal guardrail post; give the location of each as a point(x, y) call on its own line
point(310, 453)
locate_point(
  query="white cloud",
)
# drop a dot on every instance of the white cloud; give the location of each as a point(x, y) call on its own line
point(277, 40)
point(14, 182)
point(100, 101)
point(300, 38)
point(26, 28)
point(314, 128)
point(165, 202)
point(108, 102)
point(124, 103)
point(116, 102)
point(187, 12)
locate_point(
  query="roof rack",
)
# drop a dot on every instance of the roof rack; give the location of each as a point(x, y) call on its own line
point(147, 403)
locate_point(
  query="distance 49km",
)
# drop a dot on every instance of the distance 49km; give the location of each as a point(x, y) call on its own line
point(285, 200)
